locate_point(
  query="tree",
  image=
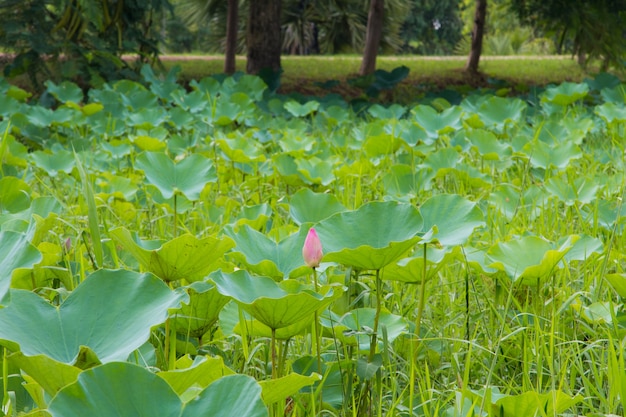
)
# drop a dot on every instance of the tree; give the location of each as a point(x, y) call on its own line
point(264, 36)
point(591, 29)
point(79, 40)
point(480, 17)
point(432, 27)
point(375, 21)
point(232, 22)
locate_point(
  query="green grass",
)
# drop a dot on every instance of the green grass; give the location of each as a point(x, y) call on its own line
point(426, 73)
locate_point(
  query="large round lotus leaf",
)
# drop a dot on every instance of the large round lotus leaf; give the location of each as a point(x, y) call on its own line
point(306, 206)
point(201, 372)
point(435, 123)
point(528, 259)
point(372, 236)
point(185, 257)
point(542, 155)
point(581, 189)
point(355, 327)
point(454, 217)
point(565, 93)
point(53, 163)
point(15, 252)
point(15, 196)
point(111, 312)
point(498, 111)
point(411, 270)
point(188, 176)
point(264, 256)
point(123, 389)
point(274, 304)
point(197, 316)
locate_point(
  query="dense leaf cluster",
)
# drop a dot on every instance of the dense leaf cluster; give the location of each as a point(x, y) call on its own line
point(78, 39)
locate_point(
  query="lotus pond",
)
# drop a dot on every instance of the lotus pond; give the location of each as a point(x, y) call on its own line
point(152, 242)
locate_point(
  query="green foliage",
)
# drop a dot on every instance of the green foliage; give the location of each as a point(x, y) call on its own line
point(472, 252)
point(432, 27)
point(589, 29)
point(79, 40)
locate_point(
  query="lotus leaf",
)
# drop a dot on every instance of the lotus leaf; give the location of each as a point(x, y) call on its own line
point(197, 316)
point(355, 327)
point(201, 372)
point(117, 389)
point(372, 236)
point(275, 305)
point(264, 256)
point(565, 94)
point(528, 259)
point(188, 176)
point(16, 253)
point(111, 313)
point(454, 217)
point(185, 257)
point(306, 206)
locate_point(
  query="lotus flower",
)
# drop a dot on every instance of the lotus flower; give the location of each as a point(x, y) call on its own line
point(312, 249)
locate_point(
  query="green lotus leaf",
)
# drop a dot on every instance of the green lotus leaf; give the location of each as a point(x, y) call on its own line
point(615, 94)
point(544, 156)
point(454, 217)
point(66, 91)
point(255, 216)
point(111, 312)
point(274, 304)
point(612, 112)
point(53, 163)
point(529, 403)
point(395, 111)
point(301, 110)
point(585, 248)
point(279, 389)
point(442, 161)
point(265, 256)
point(506, 199)
point(435, 123)
point(256, 328)
point(147, 118)
point(565, 93)
point(188, 176)
point(185, 257)
point(198, 315)
point(499, 111)
point(306, 206)
point(200, 373)
point(15, 195)
point(16, 252)
point(51, 375)
point(618, 282)
point(579, 190)
point(355, 327)
point(411, 270)
point(404, 181)
point(118, 388)
point(241, 149)
point(529, 259)
point(488, 145)
point(315, 170)
point(372, 236)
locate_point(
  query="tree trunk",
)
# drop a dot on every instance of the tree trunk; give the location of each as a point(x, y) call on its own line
point(263, 37)
point(372, 37)
point(232, 24)
point(480, 17)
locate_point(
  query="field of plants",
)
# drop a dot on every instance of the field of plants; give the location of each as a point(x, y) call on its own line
point(160, 252)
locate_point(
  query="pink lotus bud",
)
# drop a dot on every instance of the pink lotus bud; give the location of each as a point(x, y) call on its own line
point(67, 245)
point(312, 249)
